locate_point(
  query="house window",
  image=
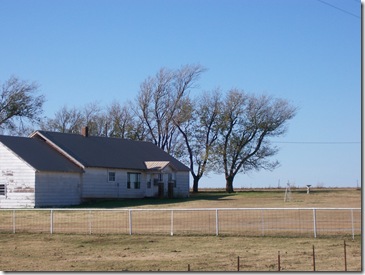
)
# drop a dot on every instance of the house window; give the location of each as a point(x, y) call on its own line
point(2, 189)
point(111, 176)
point(134, 181)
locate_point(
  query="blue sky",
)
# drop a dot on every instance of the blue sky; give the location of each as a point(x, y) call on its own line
point(306, 51)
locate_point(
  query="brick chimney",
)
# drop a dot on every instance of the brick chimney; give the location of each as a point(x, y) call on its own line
point(85, 131)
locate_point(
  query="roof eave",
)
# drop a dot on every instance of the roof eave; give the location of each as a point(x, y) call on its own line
point(60, 171)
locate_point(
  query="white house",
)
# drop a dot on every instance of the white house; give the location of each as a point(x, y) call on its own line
point(50, 169)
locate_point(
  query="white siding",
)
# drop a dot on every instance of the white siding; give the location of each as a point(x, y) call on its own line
point(182, 185)
point(182, 182)
point(57, 189)
point(124, 192)
point(96, 184)
point(181, 189)
point(18, 178)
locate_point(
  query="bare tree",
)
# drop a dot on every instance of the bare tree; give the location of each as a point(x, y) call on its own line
point(98, 125)
point(72, 119)
point(159, 99)
point(247, 123)
point(121, 121)
point(66, 120)
point(95, 118)
point(197, 121)
point(114, 120)
point(19, 104)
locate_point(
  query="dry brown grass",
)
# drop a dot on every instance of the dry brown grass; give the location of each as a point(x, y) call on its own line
point(257, 198)
point(39, 252)
point(63, 252)
point(217, 198)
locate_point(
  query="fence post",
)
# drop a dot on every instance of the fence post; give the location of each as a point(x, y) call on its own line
point(262, 223)
point(90, 222)
point(314, 223)
point(352, 224)
point(314, 259)
point(51, 222)
point(130, 221)
point(344, 248)
point(216, 223)
point(261, 226)
point(13, 221)
point(172, 222)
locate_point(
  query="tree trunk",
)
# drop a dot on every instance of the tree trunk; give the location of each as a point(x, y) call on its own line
point(195, 184)
point(229, 184)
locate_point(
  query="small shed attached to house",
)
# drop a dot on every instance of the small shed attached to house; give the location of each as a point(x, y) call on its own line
point(57, 169)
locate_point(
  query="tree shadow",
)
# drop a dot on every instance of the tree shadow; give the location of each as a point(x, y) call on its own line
point(125, 203)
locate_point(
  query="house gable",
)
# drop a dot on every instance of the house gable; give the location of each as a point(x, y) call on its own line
point(38, 154)
point(17, 179)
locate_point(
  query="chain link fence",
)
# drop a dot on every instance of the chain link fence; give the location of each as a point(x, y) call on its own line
point(301, 222)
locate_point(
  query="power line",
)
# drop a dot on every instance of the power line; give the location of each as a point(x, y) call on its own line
point(317, 142)
point(335, 7)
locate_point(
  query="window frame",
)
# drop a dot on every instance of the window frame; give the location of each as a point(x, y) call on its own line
point(113, 177)
point(135, 184)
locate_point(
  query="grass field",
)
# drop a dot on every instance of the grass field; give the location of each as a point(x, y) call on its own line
point(65, 252)
point(40, 252)
point(215, 198)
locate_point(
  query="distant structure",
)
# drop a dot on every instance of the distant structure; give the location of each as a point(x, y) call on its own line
point(287, 196)
point(308, 188)
point(51, 169)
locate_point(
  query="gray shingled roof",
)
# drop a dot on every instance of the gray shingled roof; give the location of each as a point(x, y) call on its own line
point(38, 154)
point(110, 152)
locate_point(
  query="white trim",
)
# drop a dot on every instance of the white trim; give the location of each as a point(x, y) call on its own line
point(169, 209)
point(55, 146)
point(115, 176)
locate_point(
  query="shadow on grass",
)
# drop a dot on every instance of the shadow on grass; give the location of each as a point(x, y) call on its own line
point(201, 196)
point(119, 203)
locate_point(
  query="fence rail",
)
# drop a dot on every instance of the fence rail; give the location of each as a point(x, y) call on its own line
point(309, 222)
